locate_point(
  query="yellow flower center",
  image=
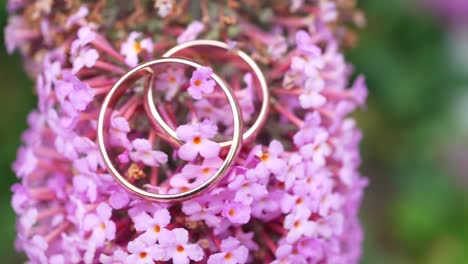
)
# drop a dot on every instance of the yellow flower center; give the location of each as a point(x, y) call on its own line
point(143, 255)
point(137, 47)
point(197, 140)
point(232, 212)
point(180, 248)
point(197, 82)
point(297, 224)
point(265, 157)
point(228, 256)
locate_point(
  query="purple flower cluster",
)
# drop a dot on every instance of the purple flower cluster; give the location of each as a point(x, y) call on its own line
point(293, 194)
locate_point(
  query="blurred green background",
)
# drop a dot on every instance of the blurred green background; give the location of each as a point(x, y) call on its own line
point(415, 148)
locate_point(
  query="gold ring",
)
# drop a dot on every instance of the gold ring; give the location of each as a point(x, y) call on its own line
point(248, 135)
point(103, 125)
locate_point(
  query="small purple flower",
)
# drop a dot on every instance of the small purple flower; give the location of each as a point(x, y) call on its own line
point(236, 212)
point(204, 210)
point(118, 132)
point(201, 82)
point(232, 253)
point(192, 32)
point(174, 245)
point(143, 152)
point(142, 251)
point(118, 257)
point(299, 225)
point(170, 82)
point(193, 175)
point(82, 12)
point(85, 58)
point(100, 225)
point(164, 7)
point(73, 94)
point(318, 150)
point(152, 225)
point(286, 254)
point(197, 140)
point(25, 163)
point(270, 161)
point(132, 47)
point(247, 189)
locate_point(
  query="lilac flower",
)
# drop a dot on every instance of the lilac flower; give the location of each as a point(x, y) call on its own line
point(82, 12)
point(118, 132)
point(193, 175)
point(247, 189)
point(118, 257)
point(143, 152)
point(207, 110)
point(170, 82)
point(85, 58)
point(232, 252)
point(26, 162)
point(270, 160)
point(237, 212)
point(100, 225)
point(164, 7)
point(142, 251)
point(318, 150)
point(73, 94)
point(152, 226)
point(298, 225)
point(174, 245)
point(201, 82)
point(133, 46)
point(286, 254)
point(192, 32)
point(197, 140)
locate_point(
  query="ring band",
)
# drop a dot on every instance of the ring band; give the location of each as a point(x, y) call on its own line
point(248, 135)
point(103, 125)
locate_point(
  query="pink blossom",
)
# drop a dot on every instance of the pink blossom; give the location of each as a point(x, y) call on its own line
point(247, 189)
point(201, 82)
point(142, 251)
point(118, 257)
point(232, 253)
point(82, 12)
point(170, 82)
point(192, 32)
point(118, 132)
point(193, 175)
point(164, 7)
point(270, 161)
point(143, 152)
point(318, 150)
point(152, 226)
point(174, 245)
point(298, 225)
point(286, 254)
point(203, 209)
point(73, 94)
point(237, 212)
point(133, 46)
point(197, 140)
point(100, 225)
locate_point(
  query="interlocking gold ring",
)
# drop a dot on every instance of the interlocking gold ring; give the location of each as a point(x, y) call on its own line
point(110, 103)
point(248, 135)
